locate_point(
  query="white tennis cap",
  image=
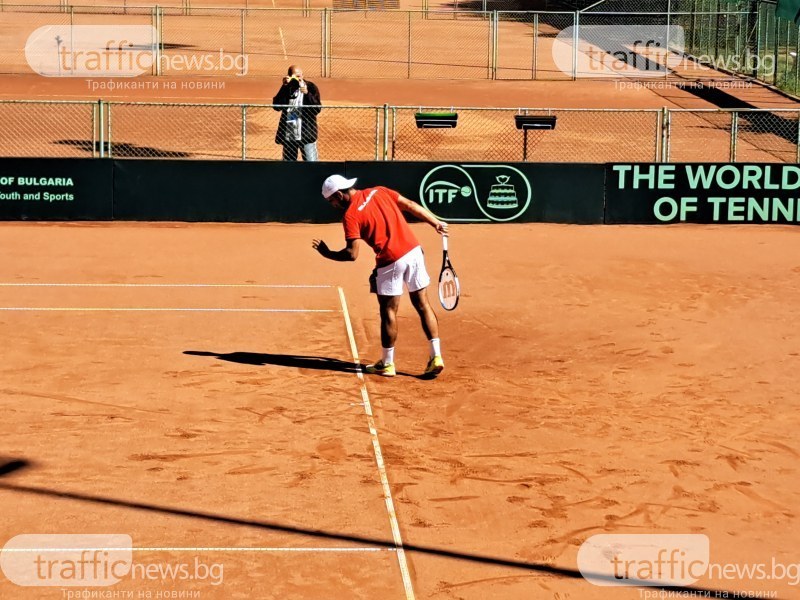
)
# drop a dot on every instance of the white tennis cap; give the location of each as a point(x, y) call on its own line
point(336, 183)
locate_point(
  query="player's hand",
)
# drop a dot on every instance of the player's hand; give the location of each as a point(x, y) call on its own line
point(320, 247)
point(441, 227)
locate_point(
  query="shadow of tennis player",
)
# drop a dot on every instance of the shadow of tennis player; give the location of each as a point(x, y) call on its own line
point(11, 466)
point(320, 363)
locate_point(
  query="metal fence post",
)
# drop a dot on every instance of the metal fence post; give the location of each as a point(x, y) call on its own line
point(244, 131)
point(94, 131)
point(153, 41)
point(322, 37)
point(495, 43)
point(666, 42)
point(386, 132)
point(755, 40)
point(244, 72)
point(71, 39)
point(786, 52)
point(377, 131)
point(777, 36)
point(408, 75)
point(102, 129)
point(394, 132)
point(575, 46)
point(734, 134)
point(109, 142)
point(159, 38)
point(666, 117)
point(329, 42)
point(535, 58)
point(489, 16)
point(797, 141)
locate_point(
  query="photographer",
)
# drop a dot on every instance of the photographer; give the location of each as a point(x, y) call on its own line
point(299, 103)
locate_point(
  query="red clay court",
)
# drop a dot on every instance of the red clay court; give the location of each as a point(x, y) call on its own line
point(199, 388)
point(598, 379)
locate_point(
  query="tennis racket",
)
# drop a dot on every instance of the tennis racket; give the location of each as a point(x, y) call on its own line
point(449, 288)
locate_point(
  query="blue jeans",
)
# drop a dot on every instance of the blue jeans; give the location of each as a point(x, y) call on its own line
point(309, 151)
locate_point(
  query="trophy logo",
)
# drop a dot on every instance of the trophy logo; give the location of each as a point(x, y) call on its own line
point(502, 195)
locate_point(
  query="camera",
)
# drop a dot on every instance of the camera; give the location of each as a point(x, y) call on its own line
point(293, 83)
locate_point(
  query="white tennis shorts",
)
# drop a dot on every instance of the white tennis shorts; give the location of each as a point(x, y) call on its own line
point(409, 269)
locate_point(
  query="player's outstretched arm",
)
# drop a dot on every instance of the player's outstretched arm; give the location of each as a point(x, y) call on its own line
point(422, 213)
point(348, 253)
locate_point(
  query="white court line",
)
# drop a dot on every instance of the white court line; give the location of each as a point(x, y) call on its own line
point(159, 309)
point(376, 446)
point(283, 43)
point(204, 549)
point(164, 285)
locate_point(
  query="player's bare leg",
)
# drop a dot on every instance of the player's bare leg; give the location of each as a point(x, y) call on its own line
point(430, 325)
point(388, 306)
point(388, 309)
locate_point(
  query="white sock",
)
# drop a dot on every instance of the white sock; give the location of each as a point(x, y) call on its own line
point(387, 356)
point(436, 349)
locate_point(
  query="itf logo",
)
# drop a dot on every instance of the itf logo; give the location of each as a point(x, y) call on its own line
point(475, 193)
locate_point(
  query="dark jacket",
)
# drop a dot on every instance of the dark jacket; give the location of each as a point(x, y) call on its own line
point(308, 112)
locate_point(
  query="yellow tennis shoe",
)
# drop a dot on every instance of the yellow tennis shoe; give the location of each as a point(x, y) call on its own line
point(381, 368)
point(435, 366)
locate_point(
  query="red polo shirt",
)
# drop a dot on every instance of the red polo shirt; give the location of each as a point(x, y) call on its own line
point(375, 217)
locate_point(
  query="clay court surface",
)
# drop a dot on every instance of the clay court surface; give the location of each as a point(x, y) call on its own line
point(599, 379)
point(367, 72)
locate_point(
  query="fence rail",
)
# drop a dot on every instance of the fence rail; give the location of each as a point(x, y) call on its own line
point(144, 130)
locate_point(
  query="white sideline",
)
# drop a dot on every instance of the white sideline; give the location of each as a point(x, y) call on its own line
point(376, 446)
point(164, 285)
point(159, 309)
point(206, 549)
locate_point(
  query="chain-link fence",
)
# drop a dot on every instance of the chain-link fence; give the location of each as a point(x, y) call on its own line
point(197, 131)
point(251, 132)
point(739, 37)
point(233, 131)
point(733, 135)
point(345, 132)
point(698, 136)
point(439, 39)
point(491, 135)
point(186, 6)
point(353, 43)
point(49, 129)
point(425, 44)
point(525, 45)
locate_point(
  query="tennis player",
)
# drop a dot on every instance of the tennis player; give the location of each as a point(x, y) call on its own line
point(375, 215)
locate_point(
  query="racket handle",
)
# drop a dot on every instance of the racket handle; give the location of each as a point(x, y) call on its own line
point(444, 243)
